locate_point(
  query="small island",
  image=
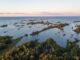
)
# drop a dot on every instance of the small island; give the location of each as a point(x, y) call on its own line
point(77, 30)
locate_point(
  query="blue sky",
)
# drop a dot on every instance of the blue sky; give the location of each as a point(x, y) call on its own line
point(40, 7)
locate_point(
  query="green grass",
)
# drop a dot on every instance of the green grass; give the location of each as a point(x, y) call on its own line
point(47, 50)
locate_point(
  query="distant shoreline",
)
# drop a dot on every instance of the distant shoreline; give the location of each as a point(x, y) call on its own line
point(39, 16)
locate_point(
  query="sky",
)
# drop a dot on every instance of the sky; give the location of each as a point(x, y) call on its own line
point(39, 7)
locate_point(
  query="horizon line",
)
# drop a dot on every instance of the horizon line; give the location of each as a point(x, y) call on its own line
point(39, 14)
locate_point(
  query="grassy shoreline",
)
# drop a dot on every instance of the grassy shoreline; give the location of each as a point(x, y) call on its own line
point(47, 50)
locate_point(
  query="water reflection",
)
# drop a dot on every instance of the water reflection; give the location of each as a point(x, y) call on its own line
point(17, 28)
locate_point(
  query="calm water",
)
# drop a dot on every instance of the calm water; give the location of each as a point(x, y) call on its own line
point(17, 26)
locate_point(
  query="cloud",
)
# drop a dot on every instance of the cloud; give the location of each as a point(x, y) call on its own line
point(40, 14)
point(59, 14)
